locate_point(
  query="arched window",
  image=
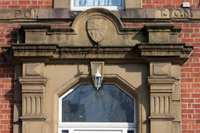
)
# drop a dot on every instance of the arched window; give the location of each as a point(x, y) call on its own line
point(84, 109)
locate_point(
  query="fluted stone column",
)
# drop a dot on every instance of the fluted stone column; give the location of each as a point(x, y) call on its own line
point(33, 88)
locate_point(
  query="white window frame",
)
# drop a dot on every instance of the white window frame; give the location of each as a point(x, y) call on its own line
point(112, 8)
point(72, 127)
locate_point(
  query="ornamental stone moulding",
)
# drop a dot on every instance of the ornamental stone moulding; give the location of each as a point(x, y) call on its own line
point(144, 61)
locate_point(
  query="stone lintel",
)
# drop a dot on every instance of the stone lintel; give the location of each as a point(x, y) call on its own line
point(33, 118)
point(162, 117)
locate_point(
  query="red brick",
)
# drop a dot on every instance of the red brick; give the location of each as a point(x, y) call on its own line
point(194, 25)
point(5, 3)
point(196, 85)
point(148, 6)
point(187, 80)
point(195, 74)
point(8, 71)
point(183, 105)
point(187, 30)
point(186, 25)
point(6, 111)
point(183, 75)
point(186, 35)
point(186, 69)
point(24, 2)
point(187, 100)
point(195, 64)
point(187, 90)
point(34, 2)
point(168, 6)
point(36, 7)
point(196, 106)
point(148, 2)
point(195, 95)
point(14, 7)
point(188, 131)
point(195, 35)
point(40, 2)
point(48, 2)
point(187, 40)
point(6, 121)
point(197, 121)
point(188, 121)
point(158, 2)
point(185, 95)
point(14, 2)
point(168, 1)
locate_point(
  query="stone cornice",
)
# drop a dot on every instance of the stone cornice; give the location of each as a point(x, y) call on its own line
point(137, 14)
point(175, 52)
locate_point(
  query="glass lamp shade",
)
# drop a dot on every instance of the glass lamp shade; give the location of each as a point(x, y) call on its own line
point(97, 80)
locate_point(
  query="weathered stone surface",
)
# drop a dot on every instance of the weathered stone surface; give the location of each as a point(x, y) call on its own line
point(33, 69)
point(62, 3)
point(64, 12)
point(160, 69)
point(180, 13)
point(133, 4)
point(162, 13)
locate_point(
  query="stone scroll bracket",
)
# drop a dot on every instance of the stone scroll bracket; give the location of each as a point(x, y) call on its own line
point(33, 83)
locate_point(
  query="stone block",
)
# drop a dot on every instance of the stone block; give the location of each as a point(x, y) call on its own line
point(17, 112)
point(61, 3)
point(33, 36)
point(176, 127)
point(133, 4)
point(162, 13)
point(176, 110)
point(17, 128)
point(160, 126)
point(33, 127)
point(33, 69)
point(161, 36)
point(97, 65)
point(160, 69)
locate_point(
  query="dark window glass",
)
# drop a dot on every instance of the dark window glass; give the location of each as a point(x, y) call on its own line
point(64, 131)
point(108, 104)
point(130, 131)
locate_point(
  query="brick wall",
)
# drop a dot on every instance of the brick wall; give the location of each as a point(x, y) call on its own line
point(168, 3)
point(21, 4)
point(190, 80)
point(7, 36)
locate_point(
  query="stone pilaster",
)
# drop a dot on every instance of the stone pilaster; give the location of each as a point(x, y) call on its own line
point(33, 88)
point(161, 83)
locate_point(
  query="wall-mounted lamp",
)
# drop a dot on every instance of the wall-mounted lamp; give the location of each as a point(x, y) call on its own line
point(97, 80)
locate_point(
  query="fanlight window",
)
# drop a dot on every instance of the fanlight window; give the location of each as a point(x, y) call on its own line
point(86, 4)
point(99, 109)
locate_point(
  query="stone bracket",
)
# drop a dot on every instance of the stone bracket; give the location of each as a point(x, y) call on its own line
point(97, 65)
